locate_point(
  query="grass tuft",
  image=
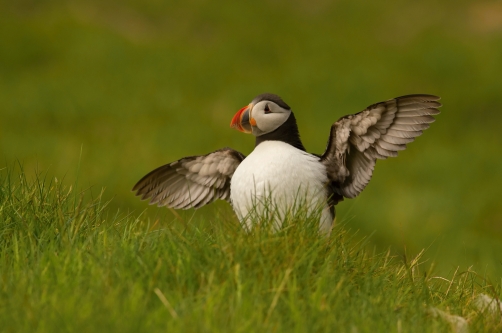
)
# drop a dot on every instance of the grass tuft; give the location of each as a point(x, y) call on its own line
point(68, 263)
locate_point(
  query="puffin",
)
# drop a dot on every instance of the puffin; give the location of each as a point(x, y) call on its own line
point(279, 177)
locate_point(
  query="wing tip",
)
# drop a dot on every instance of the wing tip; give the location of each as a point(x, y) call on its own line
point(423, 97)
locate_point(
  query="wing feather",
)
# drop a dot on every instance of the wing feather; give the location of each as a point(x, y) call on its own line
point(413, 120)
point(378, 132)
point(191, 182)
point(420, 112)
point(390, 146)
point(409, 128)
point(397, 140)
point(403, 134)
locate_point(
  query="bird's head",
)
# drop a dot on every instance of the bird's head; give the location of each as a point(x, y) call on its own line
point(263, 115)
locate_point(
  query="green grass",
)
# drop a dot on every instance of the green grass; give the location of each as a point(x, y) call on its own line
point(70, 263)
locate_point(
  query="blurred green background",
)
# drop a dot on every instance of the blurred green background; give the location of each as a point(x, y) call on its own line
point(120, 88)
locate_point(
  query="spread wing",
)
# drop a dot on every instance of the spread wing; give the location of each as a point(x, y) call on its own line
point(191, 182)
point(357, 141)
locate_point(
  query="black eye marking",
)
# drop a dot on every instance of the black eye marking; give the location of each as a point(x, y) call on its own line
point(267, 109)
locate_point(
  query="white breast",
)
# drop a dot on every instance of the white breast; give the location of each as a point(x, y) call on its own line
point(281, 178)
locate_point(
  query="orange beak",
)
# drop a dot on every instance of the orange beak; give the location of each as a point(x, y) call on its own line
point(241, 120)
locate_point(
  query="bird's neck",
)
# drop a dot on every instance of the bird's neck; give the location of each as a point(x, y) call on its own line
point(287, 132)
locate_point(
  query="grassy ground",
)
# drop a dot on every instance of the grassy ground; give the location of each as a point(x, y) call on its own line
point(69, 263)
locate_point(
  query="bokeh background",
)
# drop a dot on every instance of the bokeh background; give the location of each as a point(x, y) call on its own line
point(110, 90)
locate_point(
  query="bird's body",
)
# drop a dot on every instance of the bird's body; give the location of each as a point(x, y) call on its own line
point(279, 177)
point(292, 179)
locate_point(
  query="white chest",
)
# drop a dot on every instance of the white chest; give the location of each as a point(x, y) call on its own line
point(280, 177)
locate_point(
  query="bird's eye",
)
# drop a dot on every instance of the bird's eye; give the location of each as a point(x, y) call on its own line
point(267, 109)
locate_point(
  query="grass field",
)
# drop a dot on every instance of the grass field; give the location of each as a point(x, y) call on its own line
point(97, 94)
point(70, 264)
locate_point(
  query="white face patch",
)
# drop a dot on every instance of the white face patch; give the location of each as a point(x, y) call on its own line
point(268, 117)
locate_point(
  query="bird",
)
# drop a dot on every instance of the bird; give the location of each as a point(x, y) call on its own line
point(279, 175)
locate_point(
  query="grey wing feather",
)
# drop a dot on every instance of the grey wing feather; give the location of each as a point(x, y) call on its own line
point(191, 182)
point(380, 131)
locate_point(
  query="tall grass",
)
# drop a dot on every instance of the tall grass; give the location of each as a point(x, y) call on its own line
point(68, 263)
